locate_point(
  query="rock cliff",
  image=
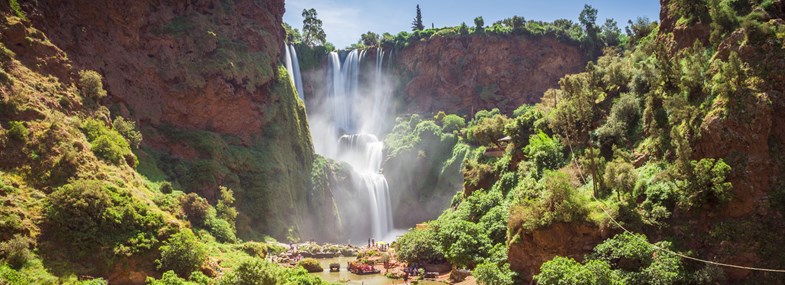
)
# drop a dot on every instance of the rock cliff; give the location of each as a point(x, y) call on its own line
point(466, 74)
point(201, 78)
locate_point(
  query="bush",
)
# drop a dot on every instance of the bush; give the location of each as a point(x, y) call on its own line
point(90, 84)
point(17, 130)
point(310, 265)
point(225, 207)
point(707, 184)
point(565, 270)
point(92, 215)
point(419, 246)
point(220, 229)
point(452, 122)
point(182, 253)
point(489, 130)
point(171, 278)
point(195, 208)
point(545, 152)
point(16, 251)
point(255, 249)
point(260, 272)
point(489, 273)
point(128, 130)
point(166, 187)
point(107, 143)
point(463, 243)
point(10, 276)
point(554, 200)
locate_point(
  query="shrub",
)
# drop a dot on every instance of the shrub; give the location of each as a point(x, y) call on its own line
point(489, 273)
point(195, 208)
point(255, 249)
point(128, 130)
point(256, 271)
point(463, 243)
point(419, 246)
point(452, 122)
point(107, 143)
point(554, 200)
point(91, 214)
point(708, 183)
point(544, 151)
point(12, 277)
point(565, 270)
point(182, 253)
point(311, 265)
point(170, 278)
point(17, 130)
point(166, 187)
point(620, 176)
point(220, 229)
point(16, 251)
point(90, 84)
point(225, 207)
point(489, 130)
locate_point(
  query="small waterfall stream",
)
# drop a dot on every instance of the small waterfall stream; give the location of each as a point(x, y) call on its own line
point(293, 66)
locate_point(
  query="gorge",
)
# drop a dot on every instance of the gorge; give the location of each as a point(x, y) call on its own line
point(209, 142)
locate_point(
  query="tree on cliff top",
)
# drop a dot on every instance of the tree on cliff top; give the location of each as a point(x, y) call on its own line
point(417, 24)
point(312, 28)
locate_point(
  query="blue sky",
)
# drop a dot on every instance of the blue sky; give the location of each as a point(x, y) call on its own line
point(345, 20)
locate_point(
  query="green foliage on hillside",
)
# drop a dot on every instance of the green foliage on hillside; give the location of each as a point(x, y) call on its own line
point(181, 253)
point(623, 140)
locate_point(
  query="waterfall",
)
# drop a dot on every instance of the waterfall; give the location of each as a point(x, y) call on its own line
point(345, 128)
point(364, 153)
point(293, 67)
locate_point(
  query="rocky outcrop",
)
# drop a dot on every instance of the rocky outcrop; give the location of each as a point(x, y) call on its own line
point(199, 65)
point(527, 254)
point(465, 75)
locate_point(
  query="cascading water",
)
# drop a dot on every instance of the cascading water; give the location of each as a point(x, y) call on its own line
point(345, 129)
point(293, 66)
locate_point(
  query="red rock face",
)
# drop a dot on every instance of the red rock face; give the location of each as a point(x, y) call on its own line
point(482, 72)
point(197, 65)
point(559, 239)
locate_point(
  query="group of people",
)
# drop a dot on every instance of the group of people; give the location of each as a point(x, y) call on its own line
point(380, 245)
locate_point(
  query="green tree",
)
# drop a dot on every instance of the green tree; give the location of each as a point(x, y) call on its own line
point(490, 130)
point(417, 23)
point(490, 273)
point(610, 33)
point(479, 25)
point(369, 39)
point(90, 84)
point(225, 207)
point(452, 122)
point(419, 246)
point(620, 176)
point(588, 19)
point(639, 29)
point(128, 130)
point(545, 152)
point(182, 253)
point(292, 34)
point(463, 29)
point(196, 208)
point(312, 28)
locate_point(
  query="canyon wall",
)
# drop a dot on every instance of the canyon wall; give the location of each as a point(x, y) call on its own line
point(201, 79)
point(467, 74)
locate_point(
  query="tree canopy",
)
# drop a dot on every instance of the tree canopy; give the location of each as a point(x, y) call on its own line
point(312, 28)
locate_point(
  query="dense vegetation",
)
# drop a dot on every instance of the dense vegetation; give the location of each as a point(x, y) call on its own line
point(616, 143)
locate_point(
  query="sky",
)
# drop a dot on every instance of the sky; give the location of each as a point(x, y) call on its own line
point(345, 20)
